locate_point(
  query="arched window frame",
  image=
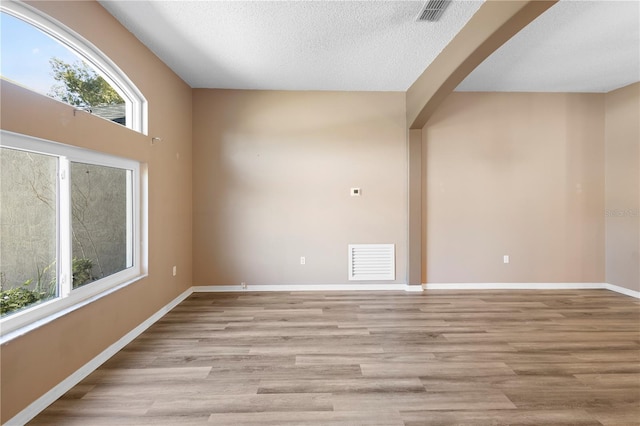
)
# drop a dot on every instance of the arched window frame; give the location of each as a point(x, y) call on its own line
point(136, 104)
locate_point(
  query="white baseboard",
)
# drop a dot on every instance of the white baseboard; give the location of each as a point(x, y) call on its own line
point(530, 286)
point(307, 287)
point(511, 286)
point(622, 290)
point(413, 288)
point(61, 388)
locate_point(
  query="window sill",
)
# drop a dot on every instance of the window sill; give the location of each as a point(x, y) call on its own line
point(64, 309)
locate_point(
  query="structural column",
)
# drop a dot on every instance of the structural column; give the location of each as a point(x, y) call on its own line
point(414, 249)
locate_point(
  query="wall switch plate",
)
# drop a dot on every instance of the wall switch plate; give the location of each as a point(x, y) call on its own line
point(303, 260)
point(355, 192)
point(175, 271)
point(505, 259)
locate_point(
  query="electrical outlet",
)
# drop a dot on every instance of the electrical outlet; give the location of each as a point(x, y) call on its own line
point(505, 259)
point(243, 285)
point(175, 271)
point(303, 260)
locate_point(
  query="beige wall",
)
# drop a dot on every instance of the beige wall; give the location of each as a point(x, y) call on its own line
point(518, 174)
point(272, 174)
point(37, 361)
point(622, 154)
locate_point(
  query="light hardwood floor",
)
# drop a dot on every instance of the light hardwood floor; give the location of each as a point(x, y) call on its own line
point(373, 358)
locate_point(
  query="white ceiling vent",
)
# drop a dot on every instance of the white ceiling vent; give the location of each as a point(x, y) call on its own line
point(433, 10)
point(372, 262)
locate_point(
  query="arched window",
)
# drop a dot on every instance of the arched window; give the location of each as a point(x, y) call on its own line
point(44, 55)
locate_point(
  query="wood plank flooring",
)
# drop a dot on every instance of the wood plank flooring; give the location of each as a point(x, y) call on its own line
point(373, 358)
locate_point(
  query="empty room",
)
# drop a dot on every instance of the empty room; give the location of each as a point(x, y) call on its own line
point(319, 212)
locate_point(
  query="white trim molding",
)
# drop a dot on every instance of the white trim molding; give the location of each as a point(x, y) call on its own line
point(530, 286)
point(306, 287)
point(622, 290)
point(511, 286)
point(26, 415)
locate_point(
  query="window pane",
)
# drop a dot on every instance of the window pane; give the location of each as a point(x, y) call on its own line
point(36, 61)
point(101, 224)
point(28, 247)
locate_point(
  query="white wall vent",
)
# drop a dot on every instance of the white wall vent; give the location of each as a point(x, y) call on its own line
point(372, 262)
point(433, 10)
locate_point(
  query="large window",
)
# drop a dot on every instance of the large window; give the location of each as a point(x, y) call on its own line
point(70, 226)
point(43, 55)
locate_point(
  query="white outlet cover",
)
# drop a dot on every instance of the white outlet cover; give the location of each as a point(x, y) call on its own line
point(355, 192)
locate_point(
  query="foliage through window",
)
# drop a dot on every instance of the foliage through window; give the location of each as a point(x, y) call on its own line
point(28, 249)
point(79, 85)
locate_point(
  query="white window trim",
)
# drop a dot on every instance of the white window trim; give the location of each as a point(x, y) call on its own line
point(136, 104)
point(28, 319)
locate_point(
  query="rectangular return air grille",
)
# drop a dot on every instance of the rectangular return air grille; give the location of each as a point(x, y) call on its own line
point(372, 262)
point(433, 10)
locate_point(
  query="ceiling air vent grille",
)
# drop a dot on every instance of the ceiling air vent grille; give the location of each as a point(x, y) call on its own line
point(433, 10)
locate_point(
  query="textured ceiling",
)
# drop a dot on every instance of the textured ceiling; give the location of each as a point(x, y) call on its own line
point(575, 46)
point(292, 45)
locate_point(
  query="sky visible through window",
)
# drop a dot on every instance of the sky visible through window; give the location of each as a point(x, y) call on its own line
point(25, 52)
